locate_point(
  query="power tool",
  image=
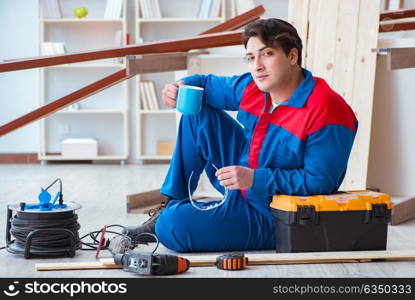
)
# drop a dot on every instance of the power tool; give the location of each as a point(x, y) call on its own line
point(143, 263)
point(151, 264)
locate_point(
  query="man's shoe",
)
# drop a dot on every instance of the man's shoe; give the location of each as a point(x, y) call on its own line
point(136, 232)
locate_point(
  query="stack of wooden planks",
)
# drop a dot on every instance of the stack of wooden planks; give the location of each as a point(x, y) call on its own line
point(338, 37)
point(253, 259)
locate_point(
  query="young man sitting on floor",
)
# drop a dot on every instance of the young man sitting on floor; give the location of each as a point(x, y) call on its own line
point(293, 136)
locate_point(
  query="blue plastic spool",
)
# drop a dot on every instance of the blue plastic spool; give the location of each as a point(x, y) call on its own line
point(44, 202)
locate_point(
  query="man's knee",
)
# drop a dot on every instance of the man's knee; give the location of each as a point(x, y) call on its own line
point(206, 114)
point(168, 231)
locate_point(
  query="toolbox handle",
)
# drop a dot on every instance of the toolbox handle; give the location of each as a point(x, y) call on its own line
point(306, 215)
point(379, 214)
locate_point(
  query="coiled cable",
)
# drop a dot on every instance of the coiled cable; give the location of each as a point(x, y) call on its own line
point(57, 236)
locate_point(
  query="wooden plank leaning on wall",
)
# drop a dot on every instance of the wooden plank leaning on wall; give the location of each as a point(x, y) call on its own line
point(337, 47)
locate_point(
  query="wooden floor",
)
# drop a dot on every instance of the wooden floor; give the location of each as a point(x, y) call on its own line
point(102, 189)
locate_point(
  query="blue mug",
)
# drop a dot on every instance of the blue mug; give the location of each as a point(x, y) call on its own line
point(189, 99)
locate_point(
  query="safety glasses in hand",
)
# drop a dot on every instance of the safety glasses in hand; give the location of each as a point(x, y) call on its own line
point(205, 206)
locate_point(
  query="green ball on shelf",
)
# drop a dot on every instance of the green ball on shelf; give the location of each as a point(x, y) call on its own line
point(80, 12)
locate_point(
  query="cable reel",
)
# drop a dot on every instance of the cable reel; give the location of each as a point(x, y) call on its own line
point(45, 228)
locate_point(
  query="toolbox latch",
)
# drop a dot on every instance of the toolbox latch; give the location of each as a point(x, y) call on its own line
point(379, 214)
point(306, 215)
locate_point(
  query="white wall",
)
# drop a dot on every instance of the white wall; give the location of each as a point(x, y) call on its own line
point(392, 147)
point(18, 90)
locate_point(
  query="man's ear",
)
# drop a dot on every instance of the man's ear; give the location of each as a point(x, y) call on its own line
point(293, 56)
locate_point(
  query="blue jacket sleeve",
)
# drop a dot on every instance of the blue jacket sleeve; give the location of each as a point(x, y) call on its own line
point(222, 92)
point(325, 161)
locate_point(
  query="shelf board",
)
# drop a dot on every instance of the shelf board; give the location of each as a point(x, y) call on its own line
point(172, 20)
point(73, 20)
point(154, 157)
point(396, 42)
point(91, 111)
point(86, 65)
point(221, 56)
point(98, 157)
point(158, 112)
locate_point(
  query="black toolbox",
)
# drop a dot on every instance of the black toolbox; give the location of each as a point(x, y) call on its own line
point(355, 220)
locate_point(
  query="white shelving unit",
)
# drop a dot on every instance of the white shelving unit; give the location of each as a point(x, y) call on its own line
point(179, 20)
point(175, 20)
point(102, 116)
point(273, 9)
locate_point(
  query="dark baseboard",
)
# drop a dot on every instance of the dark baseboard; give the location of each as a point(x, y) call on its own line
point(18, 158)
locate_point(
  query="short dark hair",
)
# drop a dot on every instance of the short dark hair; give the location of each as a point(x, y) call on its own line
point(275, 33)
